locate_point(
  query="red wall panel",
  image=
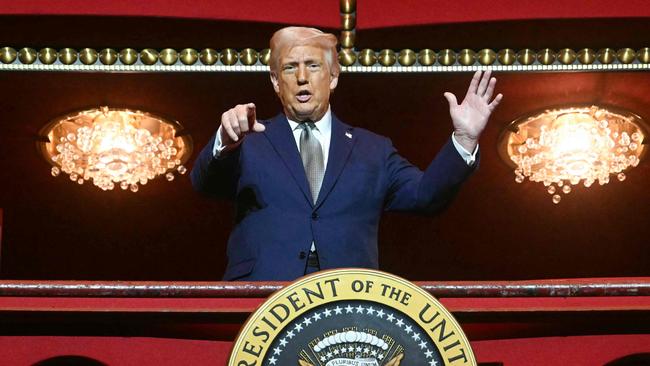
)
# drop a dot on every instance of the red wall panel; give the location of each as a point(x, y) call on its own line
point(325, 13)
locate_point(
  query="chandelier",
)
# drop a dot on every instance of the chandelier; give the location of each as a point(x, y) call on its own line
point(564, 147)
point(115, 147)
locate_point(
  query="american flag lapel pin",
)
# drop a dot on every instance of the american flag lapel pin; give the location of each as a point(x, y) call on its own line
point(348, 135)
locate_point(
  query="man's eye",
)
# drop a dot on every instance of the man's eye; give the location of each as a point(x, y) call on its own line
point(288, 68)
point(314, 66)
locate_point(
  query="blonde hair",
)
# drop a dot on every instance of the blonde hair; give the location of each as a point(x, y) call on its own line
point(301, 36)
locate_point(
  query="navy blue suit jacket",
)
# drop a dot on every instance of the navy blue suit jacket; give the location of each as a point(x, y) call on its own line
point(276, 220)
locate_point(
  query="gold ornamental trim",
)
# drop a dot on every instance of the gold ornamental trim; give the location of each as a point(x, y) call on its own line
point(355, 317)
point(351, 60)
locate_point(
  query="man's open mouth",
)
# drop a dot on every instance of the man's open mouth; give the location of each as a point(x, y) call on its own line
point(303, 96)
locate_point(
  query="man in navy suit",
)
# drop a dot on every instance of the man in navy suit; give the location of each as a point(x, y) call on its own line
point(309, 189)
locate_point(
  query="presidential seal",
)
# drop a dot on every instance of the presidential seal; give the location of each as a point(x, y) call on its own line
point(351, 317)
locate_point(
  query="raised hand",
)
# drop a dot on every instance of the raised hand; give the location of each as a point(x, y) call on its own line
point(237, 122)
point(471, 116)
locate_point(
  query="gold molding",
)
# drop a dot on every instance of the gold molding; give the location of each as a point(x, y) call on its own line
point(348, 55)
point(366, 60)
point(351, 59)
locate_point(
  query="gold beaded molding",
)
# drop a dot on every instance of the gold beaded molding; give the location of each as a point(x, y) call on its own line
point(366, 60)
point(351, 60)
point(347, 55)
point(128, 59)
point(447, 60)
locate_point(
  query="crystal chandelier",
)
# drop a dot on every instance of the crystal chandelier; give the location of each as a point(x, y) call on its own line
point(115, 147)
point(563, 147)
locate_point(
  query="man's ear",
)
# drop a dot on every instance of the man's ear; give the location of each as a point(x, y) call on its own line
point(334, 82)
point(275, 82)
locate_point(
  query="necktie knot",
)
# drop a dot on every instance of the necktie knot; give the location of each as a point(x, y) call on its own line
point(308, 126)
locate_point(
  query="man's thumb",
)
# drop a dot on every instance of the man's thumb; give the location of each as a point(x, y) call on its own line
point(451, 99)
point(258, 127)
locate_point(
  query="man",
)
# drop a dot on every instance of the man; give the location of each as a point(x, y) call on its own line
point(310, 189)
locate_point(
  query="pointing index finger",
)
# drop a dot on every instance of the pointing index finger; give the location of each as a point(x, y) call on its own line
point(251, 113)
point(253, 125)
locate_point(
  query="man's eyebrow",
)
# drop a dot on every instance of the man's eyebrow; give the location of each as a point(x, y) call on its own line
point(297, 61)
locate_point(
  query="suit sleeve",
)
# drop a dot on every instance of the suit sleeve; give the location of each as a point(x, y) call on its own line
point(410, 189)
point(216, 177)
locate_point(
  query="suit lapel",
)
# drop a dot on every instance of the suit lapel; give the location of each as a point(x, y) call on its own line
point(341, 142)
point(281, 137)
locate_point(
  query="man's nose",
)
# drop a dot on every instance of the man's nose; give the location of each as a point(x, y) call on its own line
point(302, 74)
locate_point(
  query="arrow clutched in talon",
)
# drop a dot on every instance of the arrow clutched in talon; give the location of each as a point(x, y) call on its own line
point(396, 360)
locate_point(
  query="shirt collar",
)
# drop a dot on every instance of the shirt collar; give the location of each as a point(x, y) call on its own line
point(323, 125)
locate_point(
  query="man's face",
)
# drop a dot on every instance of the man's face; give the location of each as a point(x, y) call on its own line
point(303, 81)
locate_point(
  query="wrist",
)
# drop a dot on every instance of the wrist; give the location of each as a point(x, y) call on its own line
point(468, 142)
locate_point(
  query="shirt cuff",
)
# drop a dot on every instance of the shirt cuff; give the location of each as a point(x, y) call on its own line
point(469, 158)
point(218, 147)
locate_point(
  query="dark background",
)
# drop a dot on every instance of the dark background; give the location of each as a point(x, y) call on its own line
point(496, 229)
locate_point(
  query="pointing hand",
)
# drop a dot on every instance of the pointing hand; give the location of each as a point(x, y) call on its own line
point(237, 122)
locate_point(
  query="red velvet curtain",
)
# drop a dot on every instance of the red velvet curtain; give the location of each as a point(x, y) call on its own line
point(325, 13)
